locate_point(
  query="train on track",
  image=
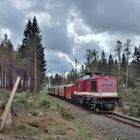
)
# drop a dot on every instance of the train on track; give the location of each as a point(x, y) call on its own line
point(93, 90)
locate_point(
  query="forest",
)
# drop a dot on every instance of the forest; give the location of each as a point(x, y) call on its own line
point(26, 61)
point(123, 63)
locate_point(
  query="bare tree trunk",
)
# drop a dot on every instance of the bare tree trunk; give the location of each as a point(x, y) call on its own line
point(35, 76)
point(2, 75)
point(126, 79)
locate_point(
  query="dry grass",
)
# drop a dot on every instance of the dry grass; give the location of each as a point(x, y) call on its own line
point(41, 118)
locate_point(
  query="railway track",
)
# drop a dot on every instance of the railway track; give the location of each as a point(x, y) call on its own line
point(114, 116)
point(124, 119)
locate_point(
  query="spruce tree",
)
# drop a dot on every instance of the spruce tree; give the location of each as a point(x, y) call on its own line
point(103, 63)
point(135, 64)
point(7, 54)
point(111, 66)
point(39, 57)
point(123, 67)
point(32, 51)
point(24, 59)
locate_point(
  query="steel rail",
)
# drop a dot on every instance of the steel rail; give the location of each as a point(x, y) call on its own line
point(115, 116)
point(124, 119)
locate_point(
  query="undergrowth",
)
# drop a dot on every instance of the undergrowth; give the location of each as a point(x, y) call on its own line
point(40, 103)
point(131, 102)
point(66, 114)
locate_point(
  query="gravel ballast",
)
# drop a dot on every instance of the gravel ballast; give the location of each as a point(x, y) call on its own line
point(102, 127)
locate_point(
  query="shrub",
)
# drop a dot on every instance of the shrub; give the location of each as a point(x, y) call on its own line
point(131, 99)
point(41, 100)
point(58, 106)
point(21, 101)
point(61, 131)
point(45, 103)
point(66, 114)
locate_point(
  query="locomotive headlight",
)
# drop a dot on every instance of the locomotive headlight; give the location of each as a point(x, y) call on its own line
point(114, 93)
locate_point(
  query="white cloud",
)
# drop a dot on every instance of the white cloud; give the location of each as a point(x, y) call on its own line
point(101, 39)
point(81, 33)
point(4, 31)
point(66, 57)
point(76, 26)
point(43, 18)
point(50, 4)
point(22, 5)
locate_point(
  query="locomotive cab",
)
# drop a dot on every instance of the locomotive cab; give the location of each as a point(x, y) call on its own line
point(97, 91)
point(105, 93)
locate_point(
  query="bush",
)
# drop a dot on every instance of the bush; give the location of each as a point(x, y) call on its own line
point(60, 131)
point(21, 101)
point(131, 100)
point(41, 100)
point(66, 114)
point(45, 103)
point(58, 107)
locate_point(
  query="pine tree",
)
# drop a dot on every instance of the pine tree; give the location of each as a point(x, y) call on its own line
point(118, 50)
point(7, 54)
point(123, 63)
point(135, 64)
point(111, 66)
point(24, 60)
point(123, 67)
point(32, 55)
point(127, 52)
point(39, 57)
point(91, 60)
point(103, 63)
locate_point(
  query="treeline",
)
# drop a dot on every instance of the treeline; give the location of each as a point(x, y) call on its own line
point(123, 62)
point(27, 61)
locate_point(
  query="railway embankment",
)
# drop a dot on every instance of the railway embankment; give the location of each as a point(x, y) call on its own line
point(104, 128)
point(131, 102)
point(41, 117)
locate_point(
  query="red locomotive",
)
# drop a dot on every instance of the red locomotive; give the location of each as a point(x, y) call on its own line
point(93, 90)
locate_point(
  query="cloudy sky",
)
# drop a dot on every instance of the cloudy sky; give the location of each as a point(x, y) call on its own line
point(69, 27)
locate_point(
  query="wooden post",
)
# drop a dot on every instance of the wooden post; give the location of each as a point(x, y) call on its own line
point(8, 105)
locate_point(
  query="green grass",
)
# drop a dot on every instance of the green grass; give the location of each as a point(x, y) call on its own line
point(131, 101)
point(83, 132)
point(43, 103)
point(41, 100)
point(21, 102)
point(66, 114)
point(26, 129)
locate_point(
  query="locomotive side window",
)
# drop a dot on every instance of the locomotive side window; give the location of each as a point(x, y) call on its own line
point(93, 86)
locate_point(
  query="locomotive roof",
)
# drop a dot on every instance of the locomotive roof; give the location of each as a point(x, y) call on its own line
point(95, 77)
point(69, 85)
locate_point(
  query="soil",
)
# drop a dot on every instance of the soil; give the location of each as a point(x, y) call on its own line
point(43, 124)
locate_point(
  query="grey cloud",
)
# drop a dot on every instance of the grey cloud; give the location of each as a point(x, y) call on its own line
point(118, 18)
point(12, 19)
point(57, 40)
point(57, 64)
point(113, 16)
point(81, 50)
